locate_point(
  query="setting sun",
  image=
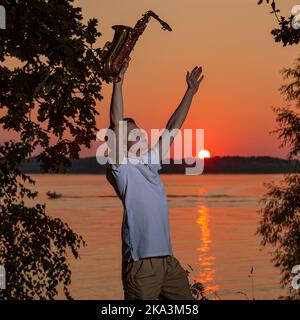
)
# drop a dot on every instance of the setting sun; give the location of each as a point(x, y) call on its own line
point(204, 154)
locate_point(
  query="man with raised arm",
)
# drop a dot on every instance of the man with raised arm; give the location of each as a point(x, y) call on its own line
point(149, 268)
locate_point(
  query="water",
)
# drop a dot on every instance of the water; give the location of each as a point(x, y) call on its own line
point(213, 219)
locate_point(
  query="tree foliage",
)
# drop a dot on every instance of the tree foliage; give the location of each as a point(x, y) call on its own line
point(280, 215)
point(59, 78)
point(48, 98)
point(285, 33)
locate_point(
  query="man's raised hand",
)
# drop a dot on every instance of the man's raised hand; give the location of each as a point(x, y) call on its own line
point(124, 68)
point(194, 79)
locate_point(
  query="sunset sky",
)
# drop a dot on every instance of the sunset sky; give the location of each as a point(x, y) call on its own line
point(231, 40)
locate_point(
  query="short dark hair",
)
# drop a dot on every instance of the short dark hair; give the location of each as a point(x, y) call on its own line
point(128, 120)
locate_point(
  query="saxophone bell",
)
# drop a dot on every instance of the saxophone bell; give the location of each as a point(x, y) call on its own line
point(114, 53)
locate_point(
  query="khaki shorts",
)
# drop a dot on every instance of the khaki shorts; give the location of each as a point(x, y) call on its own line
point(155, 278)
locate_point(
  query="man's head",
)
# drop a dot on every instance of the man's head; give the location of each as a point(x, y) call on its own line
point(136, 138)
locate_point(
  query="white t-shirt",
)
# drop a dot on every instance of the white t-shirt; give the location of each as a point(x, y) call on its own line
point(145, 226)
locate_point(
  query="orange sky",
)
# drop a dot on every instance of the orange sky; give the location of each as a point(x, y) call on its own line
point(231, 40)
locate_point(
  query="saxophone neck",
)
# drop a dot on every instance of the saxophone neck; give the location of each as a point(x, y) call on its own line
point(141, 24)
point(165, 26)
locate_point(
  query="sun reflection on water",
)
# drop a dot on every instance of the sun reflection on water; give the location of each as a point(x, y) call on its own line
point(206, 260)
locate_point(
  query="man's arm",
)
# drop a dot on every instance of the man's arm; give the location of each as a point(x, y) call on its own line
point(179, 115)
point(117, 107)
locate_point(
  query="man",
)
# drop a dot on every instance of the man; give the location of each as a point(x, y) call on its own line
point(149, 268)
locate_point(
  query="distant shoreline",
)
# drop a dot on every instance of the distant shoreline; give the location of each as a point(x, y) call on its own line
point(214, 165)
point(161, 173)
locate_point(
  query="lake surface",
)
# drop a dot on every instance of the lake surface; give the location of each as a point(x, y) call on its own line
point(213, 219)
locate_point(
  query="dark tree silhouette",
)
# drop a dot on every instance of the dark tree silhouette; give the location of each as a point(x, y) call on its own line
point(285, 33)
point(280, 215)
point(48, 98)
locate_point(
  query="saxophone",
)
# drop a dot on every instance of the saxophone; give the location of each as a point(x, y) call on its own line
point(114, 53)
